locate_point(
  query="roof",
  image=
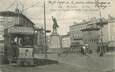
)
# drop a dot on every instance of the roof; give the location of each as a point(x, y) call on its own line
point(14, 14)
point(8, 13)
point(92, 21)
point(78, 24)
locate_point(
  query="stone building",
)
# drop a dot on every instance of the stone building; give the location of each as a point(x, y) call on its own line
point(109, 30)
point(66, 42)
point(109, 33)
point(90, 32)
point(87, 31)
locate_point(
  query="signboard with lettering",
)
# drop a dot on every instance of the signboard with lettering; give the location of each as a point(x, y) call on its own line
point(22, 30)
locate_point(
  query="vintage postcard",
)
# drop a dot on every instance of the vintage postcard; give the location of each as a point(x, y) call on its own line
point(57, 35)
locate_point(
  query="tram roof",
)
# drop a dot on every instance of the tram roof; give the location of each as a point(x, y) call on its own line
point(14, 14)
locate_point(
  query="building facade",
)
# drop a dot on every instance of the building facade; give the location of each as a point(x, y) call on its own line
point(75, 30)
point(85, 31)
point(109, 30)
point(90, 32)
point(66, 41)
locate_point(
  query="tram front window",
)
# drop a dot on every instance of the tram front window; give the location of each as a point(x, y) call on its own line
point(23, 40)
point(27, 41)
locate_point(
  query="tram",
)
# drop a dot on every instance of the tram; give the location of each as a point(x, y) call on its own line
point(19, 38)
point(19, 45)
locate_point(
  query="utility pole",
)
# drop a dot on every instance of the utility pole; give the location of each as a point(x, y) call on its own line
point(101, 24)
point(45, 47)
point(101, 36)
point(101, 31)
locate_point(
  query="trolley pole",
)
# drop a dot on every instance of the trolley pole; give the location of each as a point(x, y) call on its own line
point(45, 47)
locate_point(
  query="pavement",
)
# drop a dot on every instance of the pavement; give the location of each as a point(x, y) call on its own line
point(69, 63)
point(46, 68)
point(89, 63)
point(110, 53)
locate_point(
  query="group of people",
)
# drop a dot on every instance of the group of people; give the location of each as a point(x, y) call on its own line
point(83, 50)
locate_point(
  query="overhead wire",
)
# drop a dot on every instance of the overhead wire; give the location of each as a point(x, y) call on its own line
point(21, 5)
point(27, 8)
point(31, 6)
point(11, 5)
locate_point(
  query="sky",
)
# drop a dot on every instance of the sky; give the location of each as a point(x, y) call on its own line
point(65, 13)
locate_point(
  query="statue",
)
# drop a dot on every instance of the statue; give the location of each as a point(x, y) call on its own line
point(55, 25)
point(55, 38)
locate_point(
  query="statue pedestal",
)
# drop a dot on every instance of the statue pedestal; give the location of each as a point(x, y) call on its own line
point(55, 42)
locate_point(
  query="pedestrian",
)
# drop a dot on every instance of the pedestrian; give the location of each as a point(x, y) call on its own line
point(83, 51)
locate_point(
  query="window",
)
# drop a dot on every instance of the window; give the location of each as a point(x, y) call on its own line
point(1, 20)
point(10, 19)
point(22, 40)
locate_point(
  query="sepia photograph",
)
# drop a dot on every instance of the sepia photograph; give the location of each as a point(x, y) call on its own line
point(57, 35)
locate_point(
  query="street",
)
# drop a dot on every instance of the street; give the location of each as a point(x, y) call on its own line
point(69, 63)
point(91, 62)
point(46, 68)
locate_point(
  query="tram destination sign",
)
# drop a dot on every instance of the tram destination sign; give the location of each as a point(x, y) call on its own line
point(21, 30)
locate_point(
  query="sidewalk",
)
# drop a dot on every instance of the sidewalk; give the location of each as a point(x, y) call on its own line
point(110, 53)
